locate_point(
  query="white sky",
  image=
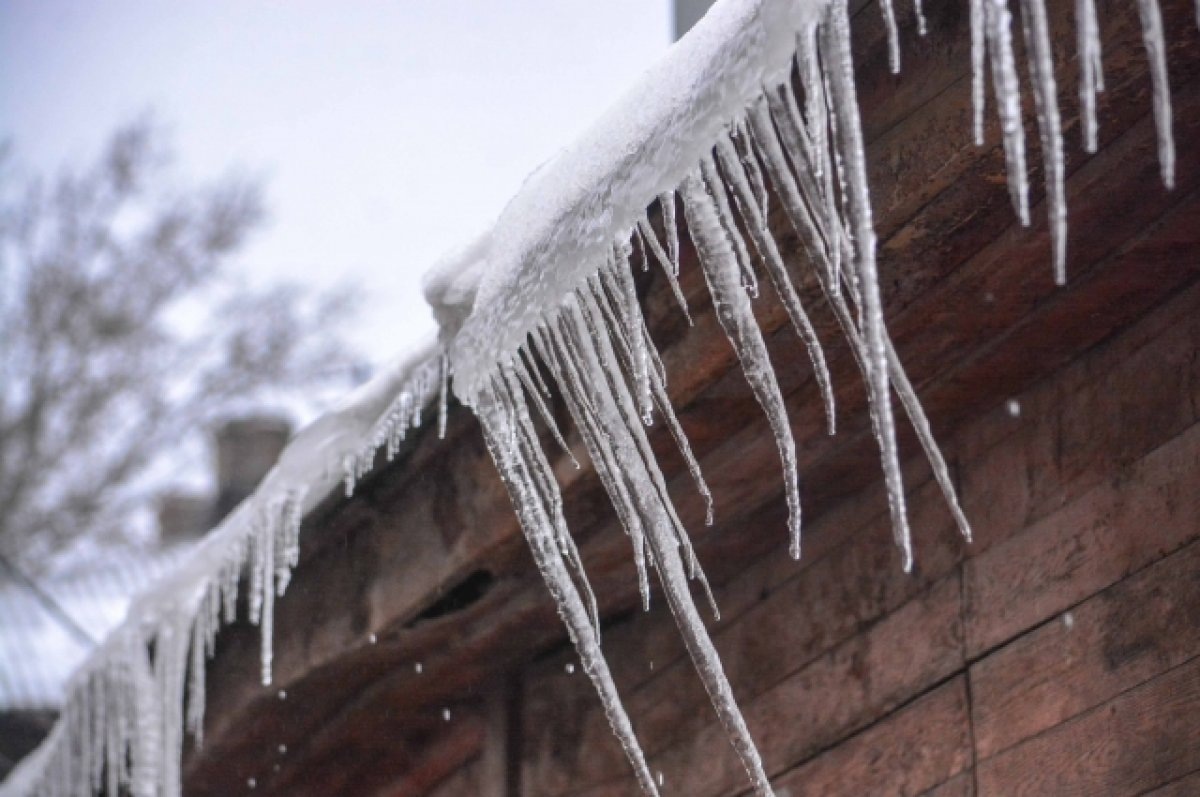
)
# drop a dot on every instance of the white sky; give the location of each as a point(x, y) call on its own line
point(389, 132)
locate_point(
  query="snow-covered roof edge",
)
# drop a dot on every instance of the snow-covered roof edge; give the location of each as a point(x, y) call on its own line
point(558, 229)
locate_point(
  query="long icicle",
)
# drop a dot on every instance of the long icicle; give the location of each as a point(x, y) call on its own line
point(615, 405)
point(978, 75)
point(837, 41)
point(893, 34)
point(605, 300)
point(603, 459)
point(1045, 96)
point(587, 329)
point(1156, 52)
point(543, 481)
point(1091, 69)
point(535, 523)
point(668, 266)
point(998, 27)
point(737, 319)
point(768, 251)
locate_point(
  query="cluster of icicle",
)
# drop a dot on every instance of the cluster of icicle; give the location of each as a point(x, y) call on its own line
point(131, 704)
point(992, 50)
point(598, 352)
point(401, 416)
point(809, 154)
point(129, 708)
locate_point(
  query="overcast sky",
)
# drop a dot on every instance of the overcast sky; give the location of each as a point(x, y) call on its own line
point(388, 132)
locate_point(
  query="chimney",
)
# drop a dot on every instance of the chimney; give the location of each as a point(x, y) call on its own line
point(183, 516)
point(246, 449)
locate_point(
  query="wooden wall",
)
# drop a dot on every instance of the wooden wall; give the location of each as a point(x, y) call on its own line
point(1058, 654)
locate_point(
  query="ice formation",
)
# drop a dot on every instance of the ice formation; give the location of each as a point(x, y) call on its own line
point(756, 105)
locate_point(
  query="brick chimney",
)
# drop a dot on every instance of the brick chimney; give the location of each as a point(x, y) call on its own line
point(246, 449)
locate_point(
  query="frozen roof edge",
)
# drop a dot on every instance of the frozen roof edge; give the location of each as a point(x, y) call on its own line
point(559, 228)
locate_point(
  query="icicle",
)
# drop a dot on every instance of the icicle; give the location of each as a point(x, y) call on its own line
point(893, 34)
point(664, 543)
point(519, 368)
point(716, 190)
point(1045, 95)
point(267, 629)
point(196, 683)
point(745, 151)
point(978, 54)
point(605, 300)
point(532, 370)
point(1156, 52)
point(768, 252)
point(1091, 70)
point(667, 263)
point(514, 471)
point(587, 332)
point(998, 25)
point(631, 316)
point(820, 122)
point(510, 392)
point(797, 142)
point(785, 184)
point(837, 40)
point(737, 319)
point(549, 345)
point(919, 11)
point(443, 390)
point(666, 203)
point(916, 414)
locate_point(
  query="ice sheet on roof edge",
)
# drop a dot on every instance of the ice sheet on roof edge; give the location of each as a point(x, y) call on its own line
point(263, 530)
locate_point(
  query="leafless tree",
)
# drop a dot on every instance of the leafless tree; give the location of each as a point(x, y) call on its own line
point(124, 329)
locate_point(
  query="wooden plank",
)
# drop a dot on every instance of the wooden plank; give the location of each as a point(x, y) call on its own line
point(1187, 786)
point(911, 751)
point(961, 785)
point(836, 695)
point(1124, 636)
point(1073, 429)
point(818, 608)
point(1136, 742)
point(1115, 529)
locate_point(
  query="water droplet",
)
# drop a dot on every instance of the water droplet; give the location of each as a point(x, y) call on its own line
point(282, 694)
point(659, 777)
point(651, 665)
point(372, 639)
point(1068, 620)
point(445, 715)
point(1014, 408)
point(252, 783)
point(419, 668)
point(570, 668)
point(282, 749)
